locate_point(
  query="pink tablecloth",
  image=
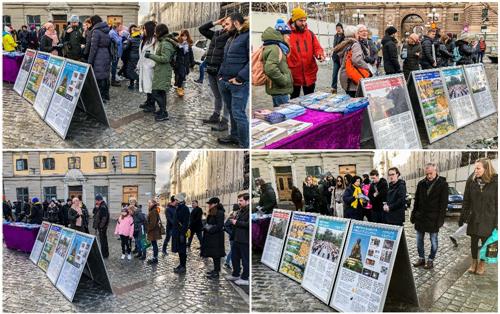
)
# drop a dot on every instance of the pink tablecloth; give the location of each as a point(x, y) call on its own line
point(259, 233)
point(329, 130)
point(19, 238)
point(11, 66)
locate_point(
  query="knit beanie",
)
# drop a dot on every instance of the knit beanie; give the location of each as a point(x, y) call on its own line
point(298, 13)
point(282, 27)
point(391, 30)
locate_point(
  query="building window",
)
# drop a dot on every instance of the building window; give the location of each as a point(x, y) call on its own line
point(49, 164)
point(101, 190)
point(73, 162)
point(21, 164)
point(22, 194)
point(6, 20)
point(129, 192)
point(100, 162)
point(49, 192)
point(130, 161)
point(347, 169)
point(255, 173)
point(484, 14)
point(314, 171)
point(33, 19)
point(456, 16)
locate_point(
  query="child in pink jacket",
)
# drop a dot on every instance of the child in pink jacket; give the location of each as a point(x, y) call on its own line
point(125, 228)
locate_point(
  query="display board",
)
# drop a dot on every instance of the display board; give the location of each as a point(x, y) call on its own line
point(480, 89)
point(59, 256)
point(433, 103)
point(90, 99)
point(462, 107)
point(324, 257)
point(35, 77)
point(276, 234)
point(390, 112)
point(24, 71)
point(366, 267)
point(48, 85)
point(297, 245)
point(49, 247)
point(40, 240)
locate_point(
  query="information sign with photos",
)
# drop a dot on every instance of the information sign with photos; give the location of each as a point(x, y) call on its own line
point(480, 89)
point(40, 240)
point(276, 236)
point(24, 71)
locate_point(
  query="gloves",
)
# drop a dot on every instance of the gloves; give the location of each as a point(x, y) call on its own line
point(147, 55)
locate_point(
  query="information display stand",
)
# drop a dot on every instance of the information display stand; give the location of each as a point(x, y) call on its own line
point(49, 247)
point(24, 71)
point(47, 88)
point(275, 240)
point(480, 89)
point(40, 240)
point(36, 75)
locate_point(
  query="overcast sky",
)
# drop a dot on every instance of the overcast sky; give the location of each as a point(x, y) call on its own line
point(163, 160)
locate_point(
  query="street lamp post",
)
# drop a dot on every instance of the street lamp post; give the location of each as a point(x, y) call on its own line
point(433, 17)
point(113, 162)
point(358, 15)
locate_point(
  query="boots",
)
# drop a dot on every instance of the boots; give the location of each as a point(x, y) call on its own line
point(420, 262)
point(480, 268)
point(180, 91)
point(214, 118)
point(222, 126)
point(473, 266)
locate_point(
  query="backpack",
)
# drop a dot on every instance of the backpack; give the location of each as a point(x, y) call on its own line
point(259, 77)
point(354, 73)
point(456, 54)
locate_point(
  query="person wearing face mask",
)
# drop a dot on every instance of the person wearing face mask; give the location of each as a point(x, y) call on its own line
point(480, 209)
point(394, 208)
point(429, 210)
point(184, 61)
point(353, 200)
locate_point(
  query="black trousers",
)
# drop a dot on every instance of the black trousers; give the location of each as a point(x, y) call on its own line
point(216, 264)
point(125, 244)
point(198, 235)
point(104, 88)
point(183, 259)
point(474, 245)
point(103, 240)
point(160, 97)
point(240, 254)
point(307, 90)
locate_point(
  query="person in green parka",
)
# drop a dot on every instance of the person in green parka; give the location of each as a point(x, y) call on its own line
point(162, 75)
point(276, 49)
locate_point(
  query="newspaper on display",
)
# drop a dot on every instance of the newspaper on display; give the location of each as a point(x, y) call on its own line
point(480, 89)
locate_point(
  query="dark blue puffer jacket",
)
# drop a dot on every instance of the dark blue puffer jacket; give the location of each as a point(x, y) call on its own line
point(99, 55)
point(237, 56)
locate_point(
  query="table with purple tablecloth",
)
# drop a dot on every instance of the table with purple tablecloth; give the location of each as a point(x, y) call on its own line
point(19, 238)
point(329, 130)
point(11, 66)
point(259, 232)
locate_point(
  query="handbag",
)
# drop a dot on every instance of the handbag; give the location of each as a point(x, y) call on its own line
point(162, 229)
point(489, 249)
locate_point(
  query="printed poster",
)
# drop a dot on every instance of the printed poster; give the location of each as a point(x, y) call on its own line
point(480, 89)
point(298, 244)
point(36, 76)
point(59, 256)
point(40, 240)
point(276, 238)
point(74, 264)
point(49, 247)
point(434, 104)
point(366, 267)
point(462, 108)
point(390, 113)
point(48, 85)
point(22, 76)
point(324, 257)
point(65, 98)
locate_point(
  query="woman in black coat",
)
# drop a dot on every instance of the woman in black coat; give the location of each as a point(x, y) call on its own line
point(465, 50)
point(353, 206)
point(100, 56)
point(213, 237)
point(390, 51)
point(312, 196)
point(180, 226)
point(132, 49)
point(184, 61)
point(413, 50)
point(394, 209)
point(480, 208)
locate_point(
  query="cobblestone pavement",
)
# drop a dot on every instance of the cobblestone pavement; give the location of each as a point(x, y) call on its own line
point(477, 131)
point(130, 127)
point(446, 288)
point(137, 286)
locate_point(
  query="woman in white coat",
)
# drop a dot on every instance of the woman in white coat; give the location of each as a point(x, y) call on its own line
point(145, 65)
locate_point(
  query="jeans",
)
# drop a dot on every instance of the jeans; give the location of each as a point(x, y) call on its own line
point(474, 245)
point(229, 255)
point(212, 82)
point(307, 90)
point(103, 88)
point(198, 235)
point(114, 66)
point(240, 253)
point(480, 56)
point(125, 244)
point(154, 244)
point(335, 74)
point(160, 97)
point(420, 245)
point(280, 100)
point(168, 235)
point(203, 66)
point(236, 99)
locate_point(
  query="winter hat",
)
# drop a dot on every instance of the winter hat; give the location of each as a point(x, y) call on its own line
point(181, 197)
point(98, 197)
point(32, 27)
point(391, 30)
point(298, 13)
point(6, 29)
point(339, 25)
point(74, 19)
point(282, 27)
point(35, 200)
point(213, 200)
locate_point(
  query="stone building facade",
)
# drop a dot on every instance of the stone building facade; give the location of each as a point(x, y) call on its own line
point(116, 175)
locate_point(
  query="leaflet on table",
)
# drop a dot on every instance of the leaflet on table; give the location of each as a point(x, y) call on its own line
point(35, 77)
point(323, 261)
point(47, 88)
point(434, 104)
point(481, 93)
point(49, 247)
point(297, 247)
point(461, 105)
point(59, 256)
point(73, 266)
point(268, 135)
point(24, 71)
point(67, 92)
point(275, 240)
point(40, 239)
point(365, 268)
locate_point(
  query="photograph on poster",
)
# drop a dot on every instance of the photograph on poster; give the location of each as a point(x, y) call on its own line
point(35, 77)
point(278, 227)
point(43, 232)
point(27, 61)
point(71, 79)
point(455, 81)
point(49, 247)
point(327, 243)
point(477, 78)
point(64, 242)
point(52, 73)
point(387, 102)
point(79, 251)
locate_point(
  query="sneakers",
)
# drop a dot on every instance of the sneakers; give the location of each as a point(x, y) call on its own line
point(129, 257)
point(214, 275)
point(198, 81)
point(228, 140)
point(429, 264)
point(116, 84)
point(473, 266)
point(421, 262)
point(232, 278)
point(180, 270)
point(161, 117)
point(241, 282)
point(455, 243)
point(227, 265)
point(123, 256)
point(214, 118)
point(148, 109)
point(222, 126)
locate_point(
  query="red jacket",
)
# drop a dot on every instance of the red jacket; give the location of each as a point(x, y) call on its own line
point(304, 47)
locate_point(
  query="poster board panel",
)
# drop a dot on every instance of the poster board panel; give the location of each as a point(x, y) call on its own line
point(49, 247)
point(24, 71)
point(390, 112)
point(462, 107)
point(275, 240)
point(366, 267)
point(35, 77)
point(434, 104)
point(40, 240)
point(48, 85)
point(91, 100)
point(97, 268)
point(326, 251)
point(297, 245)
point(480, 89)
point(60, 254)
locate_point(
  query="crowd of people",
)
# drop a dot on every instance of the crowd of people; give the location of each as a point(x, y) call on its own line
point(290, 52)
point(375, 199)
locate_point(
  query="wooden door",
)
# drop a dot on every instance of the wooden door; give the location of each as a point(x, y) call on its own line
point(284, 183)
point(60, 22)
point(130, 191)
point(347, 169)
point(75, 191)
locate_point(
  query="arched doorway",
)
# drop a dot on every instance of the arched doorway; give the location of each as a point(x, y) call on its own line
point(412, 23)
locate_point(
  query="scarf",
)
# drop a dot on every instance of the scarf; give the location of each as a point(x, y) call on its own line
point(280, 44)
point(79, 219)
point(357, 191)
point(185, 47)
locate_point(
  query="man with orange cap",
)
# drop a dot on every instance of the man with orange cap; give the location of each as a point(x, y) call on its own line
point(304, 50)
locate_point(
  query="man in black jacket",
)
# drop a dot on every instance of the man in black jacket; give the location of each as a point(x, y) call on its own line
point(337, 39)
point(428, 58)
point(101, 223)
point(377, 195)
point(240, 251)
point(213, 59)
point(195, 223)
point(36, 214)
point(267, 201)
point(390, 51)
point(73, 39)
point(429, 210)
